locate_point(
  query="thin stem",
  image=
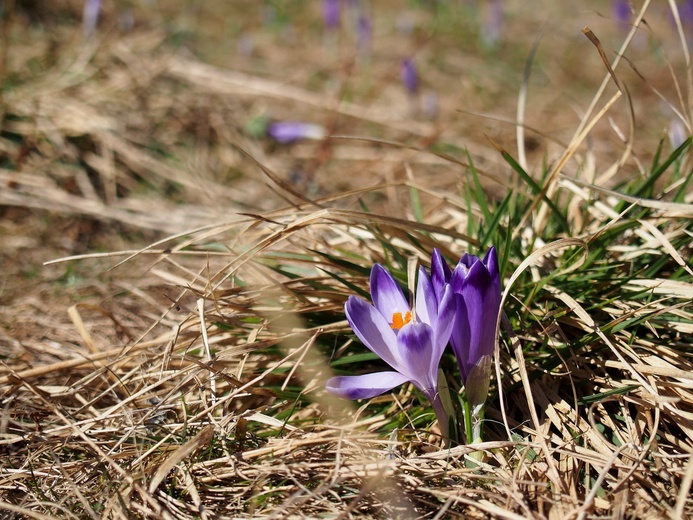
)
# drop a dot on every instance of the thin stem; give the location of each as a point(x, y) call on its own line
point(467, 412)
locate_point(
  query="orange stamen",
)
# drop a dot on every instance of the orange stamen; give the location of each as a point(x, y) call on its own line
point(399, 321)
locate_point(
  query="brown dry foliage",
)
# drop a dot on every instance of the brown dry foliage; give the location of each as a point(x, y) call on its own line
point(179, 374)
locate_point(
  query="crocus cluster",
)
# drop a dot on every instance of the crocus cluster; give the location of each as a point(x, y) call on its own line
point(457, 306)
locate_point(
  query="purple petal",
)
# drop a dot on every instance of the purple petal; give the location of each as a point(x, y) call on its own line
point(426, 302)
point(365, 386)
point(468, 260)
point(459, 275)
point(372, 329)
point(440, 273)
point(491, 263)
point(446, 319)
point(387, 295)
point(419, 359)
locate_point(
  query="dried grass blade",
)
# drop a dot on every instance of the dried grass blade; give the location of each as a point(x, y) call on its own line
point(81, 329)
point(666, 244)
point(179, 455)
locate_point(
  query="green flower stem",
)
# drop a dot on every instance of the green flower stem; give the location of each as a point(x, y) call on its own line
point(467, 414)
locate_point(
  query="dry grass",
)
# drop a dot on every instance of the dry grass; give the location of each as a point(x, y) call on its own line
point(172, 365)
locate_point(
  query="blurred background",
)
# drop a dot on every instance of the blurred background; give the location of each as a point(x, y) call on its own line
point(124, 122)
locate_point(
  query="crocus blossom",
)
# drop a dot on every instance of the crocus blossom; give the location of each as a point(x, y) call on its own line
point(90, 16)
point(290, 131)
point(477, 284)
point(411, 341)
point(492, 26)
point(331, 13)
point(410, 78)
point(620, 11)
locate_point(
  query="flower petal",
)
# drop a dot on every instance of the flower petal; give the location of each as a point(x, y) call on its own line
point(418, 360)
point(372, 329)
point(445, 319)
point(426, 301)
point(387, 295)
point(365, 386)
point(491, 263)
point(440, 273)
point(468, 260)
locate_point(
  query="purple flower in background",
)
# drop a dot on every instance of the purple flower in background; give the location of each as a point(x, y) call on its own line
point(90, 16)
point(410, 78)
point(620, 10)
point(412, 343)
point(331, 13)
point(364, 33)
point(677, 133)
point(686, 12)
point(476, 283)
point(492, 26)
point(285, 132)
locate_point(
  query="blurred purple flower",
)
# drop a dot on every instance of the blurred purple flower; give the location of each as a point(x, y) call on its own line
point(620, 10)
point(412, 343)
point(492, 27)
point(677, 133)
point(364, 33)
point(410, 78)
point(686, 12)
point(90, 16)
point(331, 13)
point(289, 131)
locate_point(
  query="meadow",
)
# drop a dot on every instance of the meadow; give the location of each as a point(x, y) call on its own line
point(191, 191)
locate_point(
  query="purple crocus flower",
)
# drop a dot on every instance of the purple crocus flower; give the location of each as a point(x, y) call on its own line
point(410, 341)
point(331, 13)
point(620, 10)
point(477, 284)
point(285, 132)
point(410, 78)
point(90, 16)
point(686, 12)
point(492, 26)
